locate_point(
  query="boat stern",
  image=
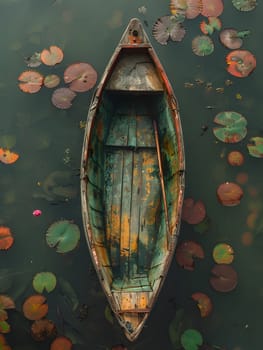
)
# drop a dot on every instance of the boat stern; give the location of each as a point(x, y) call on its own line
point(134, 34)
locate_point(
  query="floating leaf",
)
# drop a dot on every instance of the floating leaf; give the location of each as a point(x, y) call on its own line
point(51, 81)
point(229, 194)
point(212, 8)
point(6, 239)
point(30, 81)
point(4, 327)
point(61, 343)
point(193, 212)
point(51, 56)
point(255, 147)
point(176, 327)
point(44, 281)
point(35, 307)
point(240, 63)
point(186, 252)
point(7, 141)
point(81, 76)
point(234, 127)
point(247, 238)
point(62, 98)
point(223, 253)
point(108, 314)
point(193, 8)
point(224, 278)
point(63, 235)
point(202, 45)
point(43, 329)
point(3, 343)
point(6, 302)
point(178, 6)
point(3, 315)
point(204, 303)
point(206, 28)
point(215, 22)
point(8, 157)
point(168, 27)
point(244, 5)
point(191, 339)
point(34, 60)
point(231, 38)
point(235, 158)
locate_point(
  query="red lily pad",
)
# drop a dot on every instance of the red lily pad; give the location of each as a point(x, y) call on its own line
point(35, 307)
point(235, 158)
point(223, 253)
point(193, 212)
point(193, 8)
point(204, 303)
point(62, 98)
point(81, 76)
point(6, 239)
point(231, 38)
point(52, 56)
point(244, 5)
point(229, 194)
point(240, 63)
point(224, 278)
point(186, 252)
point(30, 81)
point(212, 8)
point(255, 147)
point(233, 127)
point(202, 45)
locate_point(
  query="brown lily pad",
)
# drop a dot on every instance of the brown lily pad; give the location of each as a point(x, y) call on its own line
point(62, 98)
point(186, 252)
point(43, 329)
point(61, 343)
point(229, 194)
point(224, 278)
point(204, 303)
point(193, 212)
point(81, 76)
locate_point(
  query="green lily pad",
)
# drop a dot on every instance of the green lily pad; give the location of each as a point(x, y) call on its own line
point(4, 327)
point(234, 127)
point(44, 281)
point(63, 236)
point(176, 328)
point(223, 253)
point(191, 339)
point(244, 5)
point(255, 147)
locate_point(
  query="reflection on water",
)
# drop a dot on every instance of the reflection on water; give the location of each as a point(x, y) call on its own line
point(49, 143)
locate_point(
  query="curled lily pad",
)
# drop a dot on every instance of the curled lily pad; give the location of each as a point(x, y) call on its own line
point(212, 8)
point(204, 303)
point(202, 45)
point(193, 212)
point(44, 281)
point(168, 27)
point(35, 307)
point(215, 22)
point(233, 127)
point(240, 63)
point(223, 253)
point(255, 147)
point(191, 339)
point(61, 343)
point(186, 252)
point(224, 278)
point(229, 194)
point(63, 236)
point(244, 5)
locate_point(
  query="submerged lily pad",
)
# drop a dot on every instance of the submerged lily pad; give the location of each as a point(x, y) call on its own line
point(51, 81)
point(234, 127)
point(224, 278)
point(202, 45)
point(255, 147)
point(223, 253)
point(229, 194)
point(30, 81)
point(186, 252)
point(191, 339)
point(44, 281)
point(244, 5)
point(61, 343)
point(63, 236)
point(168, 27)
point(193, 212)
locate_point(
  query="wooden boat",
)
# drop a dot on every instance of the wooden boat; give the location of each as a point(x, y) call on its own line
point(132, 178)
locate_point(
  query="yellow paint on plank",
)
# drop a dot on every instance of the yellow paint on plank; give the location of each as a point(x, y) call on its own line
point(125, 234)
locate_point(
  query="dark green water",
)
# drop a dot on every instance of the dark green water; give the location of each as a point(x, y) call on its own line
point(89, 31)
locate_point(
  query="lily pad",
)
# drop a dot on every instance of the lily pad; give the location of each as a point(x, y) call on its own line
point(7, 141)
point(186, 252)
point(3, 343)
point(6, 302)
point(81, 76)
point(204, 303)
point(234, 127)
point(51, 81)
point(235, 158)
point(6, 239)
point(35, 307)
point(255, 147)
point(63, 236)
point(193, 212)
point(202, 45)
point(240, 63)
point(177, 326)
point(44, 281)
point(43, 329)
point(168, 27)
point(51, 56)
point(62, 98)
point(231, 38)
point(193, 8)
point(229, 194)
point(4, 327)
point(244, 5)
point(224, 278)
point(30, 81)
point(61, 343)
point(223, 253)
point(7, 156)
point(212, 8)
point(191, 339)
